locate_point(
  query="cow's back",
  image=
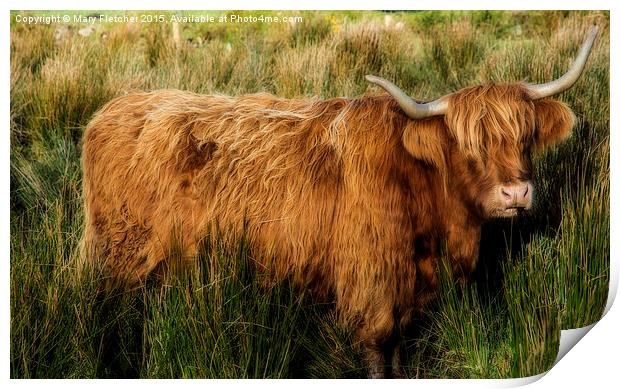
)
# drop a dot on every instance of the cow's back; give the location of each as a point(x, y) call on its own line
point(165, 166)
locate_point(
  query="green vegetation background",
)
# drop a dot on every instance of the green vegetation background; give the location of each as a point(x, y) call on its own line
point(546, 271)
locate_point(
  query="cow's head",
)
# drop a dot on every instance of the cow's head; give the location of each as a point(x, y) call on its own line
point(484, 143)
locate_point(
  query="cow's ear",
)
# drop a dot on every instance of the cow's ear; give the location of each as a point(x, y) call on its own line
point(554, 121)
point(426, 140)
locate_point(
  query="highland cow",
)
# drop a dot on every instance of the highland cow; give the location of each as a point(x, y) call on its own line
point(351, 198)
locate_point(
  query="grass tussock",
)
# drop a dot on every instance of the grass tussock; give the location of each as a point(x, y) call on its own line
point(538, 274)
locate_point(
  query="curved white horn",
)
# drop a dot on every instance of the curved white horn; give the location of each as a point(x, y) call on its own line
point(539, 91)
point(412, 109)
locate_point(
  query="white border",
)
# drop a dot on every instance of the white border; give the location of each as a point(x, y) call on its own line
point(309, 4)
point(593, 363)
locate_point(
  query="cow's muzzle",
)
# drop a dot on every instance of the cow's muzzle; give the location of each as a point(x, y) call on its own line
point(517, 196)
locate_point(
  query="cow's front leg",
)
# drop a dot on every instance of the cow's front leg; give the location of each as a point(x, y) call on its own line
point(375, 360)
point(397, 368)
point(374, 335)
point(463, 243)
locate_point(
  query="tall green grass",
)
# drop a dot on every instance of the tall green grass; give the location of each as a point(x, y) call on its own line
point(538, 274)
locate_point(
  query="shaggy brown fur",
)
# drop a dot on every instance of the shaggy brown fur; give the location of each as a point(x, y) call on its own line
point(348, 197)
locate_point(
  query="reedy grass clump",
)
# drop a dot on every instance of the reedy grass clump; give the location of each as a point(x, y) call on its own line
point(537, 274)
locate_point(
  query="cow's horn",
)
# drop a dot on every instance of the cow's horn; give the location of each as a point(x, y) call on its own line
point(412, 109)
point(539, 91)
